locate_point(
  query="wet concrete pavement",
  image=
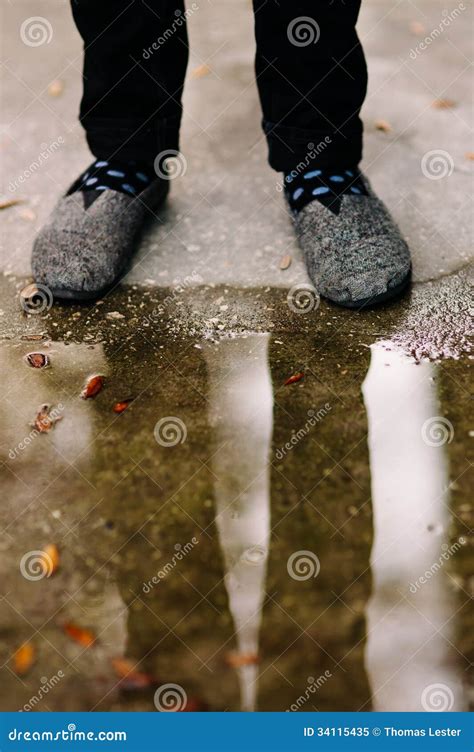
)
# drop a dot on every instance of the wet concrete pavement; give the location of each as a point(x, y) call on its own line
point(253, 543)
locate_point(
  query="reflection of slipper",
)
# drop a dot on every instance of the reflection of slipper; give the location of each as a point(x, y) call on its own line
point(85, 246)
point(357, 257)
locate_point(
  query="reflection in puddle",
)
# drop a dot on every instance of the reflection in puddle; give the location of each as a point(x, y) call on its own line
point(119, 504)
point(240, 411)
point(409, 630)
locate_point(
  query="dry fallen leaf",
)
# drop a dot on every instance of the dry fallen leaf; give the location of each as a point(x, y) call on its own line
point(27, 214)
point(50, 562)
point(294, 379)
point(119, 407)
point(37, 360)
point(200, 71)
point(45, 420)
point(82, 636)
point(114, 315)
point(33, 337)
point(443, 104)
point(10, 202)
point(55, 88)
point(285, 262)
point(417, 28)
point(130, 677)
point(236, 660)
point(23, 658)
point(93, 387)
point(383, 125)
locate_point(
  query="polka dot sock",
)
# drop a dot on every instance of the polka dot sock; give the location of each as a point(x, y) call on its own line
point(130, 178)
point(324, 185)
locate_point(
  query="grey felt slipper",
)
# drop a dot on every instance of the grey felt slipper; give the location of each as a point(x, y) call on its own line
point(357, 257)
point(86, 244)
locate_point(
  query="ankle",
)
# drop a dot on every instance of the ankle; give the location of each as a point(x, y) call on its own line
point(325, 184)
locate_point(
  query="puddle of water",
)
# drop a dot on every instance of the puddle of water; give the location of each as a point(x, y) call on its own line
point(298, 537)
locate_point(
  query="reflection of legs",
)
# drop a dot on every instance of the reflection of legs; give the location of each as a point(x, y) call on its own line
point(409, 482)
point(315, 624)
point(240, 409)
point(149, 516)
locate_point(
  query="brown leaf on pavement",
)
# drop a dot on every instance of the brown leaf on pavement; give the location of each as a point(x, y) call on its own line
point(37, 360)
point(200, 71)
point(23, 658)
point(55, 88)
point(10, 202)
point(50, 563)
point(131, 678)
point(44, 420)
point(383, 125)
point(294, 379)
point(82, 636)
point(443, 104)
point(417, 28)
point(119, 407)
point(285, 262)
point(93, 386)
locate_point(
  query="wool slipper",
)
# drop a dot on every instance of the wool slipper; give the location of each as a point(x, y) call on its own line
point(86, 245)
point(356, 258)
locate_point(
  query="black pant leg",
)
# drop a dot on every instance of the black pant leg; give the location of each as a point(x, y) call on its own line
point(312, 80)
point(134, 66)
